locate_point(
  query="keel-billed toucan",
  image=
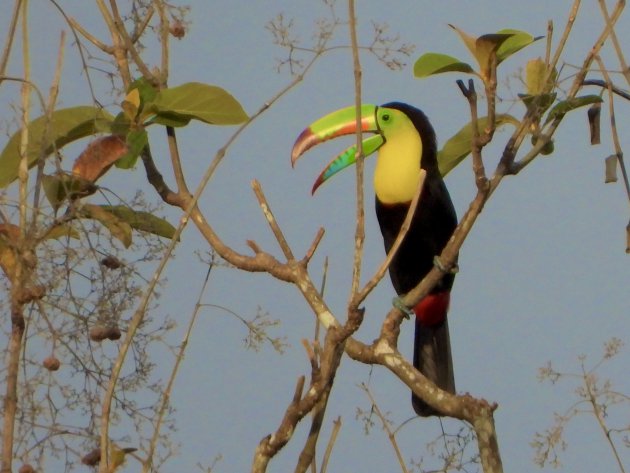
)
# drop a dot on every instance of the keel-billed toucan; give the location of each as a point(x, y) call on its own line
point(406, 143)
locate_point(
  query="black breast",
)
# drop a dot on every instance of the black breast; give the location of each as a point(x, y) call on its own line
point(430, 230)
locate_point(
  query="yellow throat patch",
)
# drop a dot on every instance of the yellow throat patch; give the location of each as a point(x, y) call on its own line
point(398, 162)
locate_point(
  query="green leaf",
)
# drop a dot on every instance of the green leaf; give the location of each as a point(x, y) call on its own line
point(148, 92)
point(169, 119)
point(482, 48)
point(460, 145)
point(65, 126)
point(194, 100)
point(536, 79)
point(143, 221)
point(433, 63)
point(146, 89)
point(116, 226)
point(535, 75)
point(131, 104)
point(121, 124)
point(561, 108)
point(486, 44)
point(136, 141)
point(468, 40)
point(61, 187)
point(517, 41)
point(61, 231)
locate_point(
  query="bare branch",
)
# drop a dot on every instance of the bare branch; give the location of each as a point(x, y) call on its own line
point(359, 233)
point(271, 220)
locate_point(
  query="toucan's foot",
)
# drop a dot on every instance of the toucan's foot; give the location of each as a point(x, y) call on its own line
point(400, 305)
point(438, 264)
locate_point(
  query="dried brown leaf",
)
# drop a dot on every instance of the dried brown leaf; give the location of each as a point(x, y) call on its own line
point(99, 156)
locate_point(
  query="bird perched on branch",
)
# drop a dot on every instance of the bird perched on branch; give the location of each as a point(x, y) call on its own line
point(406, 152)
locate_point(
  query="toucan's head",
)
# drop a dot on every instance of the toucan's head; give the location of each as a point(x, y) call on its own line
point(403, 137)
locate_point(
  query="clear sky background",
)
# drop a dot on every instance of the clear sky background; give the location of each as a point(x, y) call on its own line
point(543, 275)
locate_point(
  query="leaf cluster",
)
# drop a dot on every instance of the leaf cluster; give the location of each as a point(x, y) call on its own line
point(489, 51)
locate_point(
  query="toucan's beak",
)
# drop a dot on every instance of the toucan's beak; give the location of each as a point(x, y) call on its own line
point(339, 123)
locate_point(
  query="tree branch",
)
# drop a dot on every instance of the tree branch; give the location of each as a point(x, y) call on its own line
point(359, 234)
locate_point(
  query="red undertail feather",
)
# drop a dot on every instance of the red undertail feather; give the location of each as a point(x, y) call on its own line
point(433, 308)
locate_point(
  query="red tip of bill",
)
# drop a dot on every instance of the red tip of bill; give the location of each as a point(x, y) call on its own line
point(318, 182)
point(305, 141)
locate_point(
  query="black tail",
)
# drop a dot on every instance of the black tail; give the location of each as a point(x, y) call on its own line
point(432, 357)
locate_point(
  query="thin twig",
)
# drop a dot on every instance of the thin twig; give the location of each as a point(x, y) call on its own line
point(307, 455)
point(164, 41)
point(359, 233)
point(50, 107)
point(404, 228)
point(140, 29)
point(331, 444)
point(613, 36)
point(311, 250)
point(549, 42)
point(84, 65)
point(128, 44)
point(606, 84)
point(563, 39)
point(90, 37)
point(599, 415)
point(26, 106)
point(176, 162)
point(391, 435)
point(271, 220)
point(118, 52)
point(8, 44)
point(166, 393)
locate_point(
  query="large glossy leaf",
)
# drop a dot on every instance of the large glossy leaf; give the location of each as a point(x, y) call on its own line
point(460, 145)
point(561, 108)
point(65, 126)
point(434, 63)
point(143, 221)
point(194, 100)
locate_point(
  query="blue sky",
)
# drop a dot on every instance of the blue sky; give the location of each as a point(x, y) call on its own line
point(543, 275)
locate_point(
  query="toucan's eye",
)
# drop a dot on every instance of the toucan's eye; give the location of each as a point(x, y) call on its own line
point(386, 117)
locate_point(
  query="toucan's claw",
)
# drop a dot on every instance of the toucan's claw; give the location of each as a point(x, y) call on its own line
point(400, 305)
